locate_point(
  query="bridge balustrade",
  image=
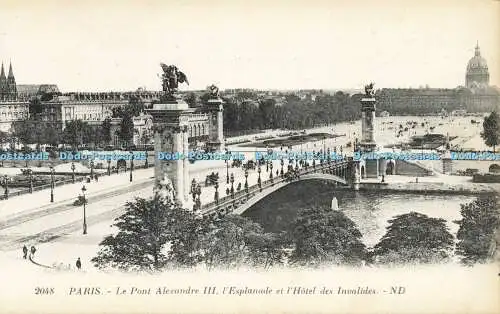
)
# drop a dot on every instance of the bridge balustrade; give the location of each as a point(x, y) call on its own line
point(228, 203)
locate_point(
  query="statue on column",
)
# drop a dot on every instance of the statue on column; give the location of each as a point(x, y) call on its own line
point(370, 90)
point(213, 91)
point(171, 78)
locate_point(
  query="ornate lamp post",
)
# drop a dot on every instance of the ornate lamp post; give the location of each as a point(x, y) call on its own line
point(232, 185)
point(84, 212)
point(91, 169)
point(73, 170)
point(193, 189)
point(109, 167)
point(246, 180)
point(5, 182)
point(52, 172)
point(30, 175)
point(259, 181)
point(271, 174)
point(227, 167)
point(198, 193)
point(216, 196)
point(131, 164)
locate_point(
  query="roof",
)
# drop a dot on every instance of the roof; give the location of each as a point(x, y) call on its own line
point(33, 89)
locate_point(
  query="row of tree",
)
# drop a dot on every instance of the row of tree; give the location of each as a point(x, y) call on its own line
point(155, 234)
point(245, 111)
point(77, 132)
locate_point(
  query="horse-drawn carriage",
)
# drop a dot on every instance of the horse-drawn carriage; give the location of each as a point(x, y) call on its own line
point(211, 179)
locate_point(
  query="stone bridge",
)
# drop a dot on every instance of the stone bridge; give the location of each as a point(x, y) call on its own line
point(240, 201)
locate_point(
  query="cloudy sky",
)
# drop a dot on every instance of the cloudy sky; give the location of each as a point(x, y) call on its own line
point(118, 45)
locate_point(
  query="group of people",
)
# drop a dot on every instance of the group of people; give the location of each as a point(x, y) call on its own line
point(32, 251)
point(95, 177)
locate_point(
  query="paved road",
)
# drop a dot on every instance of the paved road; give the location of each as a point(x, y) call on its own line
point(49, 210)
point(54, 233)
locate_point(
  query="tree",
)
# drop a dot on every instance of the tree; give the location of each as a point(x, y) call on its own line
point(414, 238)
point(105, 130)
point(22, 131)
point(191, 99)
point(320, 236)
point(77, 132)
point(144, 231)
point(491, 130)
point(127, 128)
point(51, 136)
point(476, 234)
point(233, 240)
point(135, 106)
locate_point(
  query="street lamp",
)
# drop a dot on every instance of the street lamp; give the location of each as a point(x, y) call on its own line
point(232, 185)
point(193, 189)
point(52, 172)
point(109, 167)
point(131, 164)
point(84, 213)
point(5, 181)
point(198, 192)
point(30, 176)
point(91, 169)
point(259, 181)
point(216, 196)
point(146, 163)
point(73, 169)
point(227, 167)
point(271, 174)
point(246, 180)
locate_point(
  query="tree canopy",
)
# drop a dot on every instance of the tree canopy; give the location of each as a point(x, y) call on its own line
point(322, 236)
point(476, 234)
point(491, 130)
point(414, 238)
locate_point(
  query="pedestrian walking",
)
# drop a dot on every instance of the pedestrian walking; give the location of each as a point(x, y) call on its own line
point(78, 264)
point(33, 250)
point(96, 177)
point(25, 251)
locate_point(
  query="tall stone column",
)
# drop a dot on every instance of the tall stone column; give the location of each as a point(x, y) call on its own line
point(368, 143)
point(170, 134)
point(185, 149)
point(215, 109)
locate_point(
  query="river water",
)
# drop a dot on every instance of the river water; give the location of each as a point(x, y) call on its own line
point(369, 210)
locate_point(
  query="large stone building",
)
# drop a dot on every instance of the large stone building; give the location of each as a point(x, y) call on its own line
point(475, 96)
point(477, 74)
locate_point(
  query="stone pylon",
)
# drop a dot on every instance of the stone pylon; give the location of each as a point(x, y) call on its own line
point(170, 125)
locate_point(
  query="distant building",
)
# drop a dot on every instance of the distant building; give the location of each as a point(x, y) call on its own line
point(477, 74)
point(475, 96)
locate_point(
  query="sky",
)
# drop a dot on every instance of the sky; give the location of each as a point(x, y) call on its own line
point(118, 45)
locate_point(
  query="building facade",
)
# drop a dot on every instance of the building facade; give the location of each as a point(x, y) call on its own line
point(475, 96)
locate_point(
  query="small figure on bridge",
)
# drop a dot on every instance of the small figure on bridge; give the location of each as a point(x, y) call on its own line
point(33, 250)
point(25, 251)
point(78, 264)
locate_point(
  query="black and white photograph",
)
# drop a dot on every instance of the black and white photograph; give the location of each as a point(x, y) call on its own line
point(250, 156)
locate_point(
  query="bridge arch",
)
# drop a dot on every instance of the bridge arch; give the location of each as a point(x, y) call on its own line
point(278, 186)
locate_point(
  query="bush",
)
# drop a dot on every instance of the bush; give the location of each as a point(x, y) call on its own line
point(494, 168)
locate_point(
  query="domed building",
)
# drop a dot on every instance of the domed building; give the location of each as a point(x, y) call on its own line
point(477, 75)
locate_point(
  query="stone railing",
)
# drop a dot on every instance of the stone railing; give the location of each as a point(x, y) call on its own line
point(79, 177)
point(231, 202)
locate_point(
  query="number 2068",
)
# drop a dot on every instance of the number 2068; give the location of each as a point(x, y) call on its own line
point(44, 291)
